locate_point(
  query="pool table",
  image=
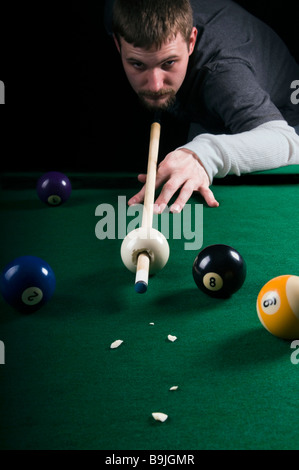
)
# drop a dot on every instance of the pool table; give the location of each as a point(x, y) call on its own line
point(63, 387)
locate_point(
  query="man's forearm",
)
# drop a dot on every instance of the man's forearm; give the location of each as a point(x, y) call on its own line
point(271, 145)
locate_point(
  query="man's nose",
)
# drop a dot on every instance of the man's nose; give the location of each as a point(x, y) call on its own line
point(155, 80)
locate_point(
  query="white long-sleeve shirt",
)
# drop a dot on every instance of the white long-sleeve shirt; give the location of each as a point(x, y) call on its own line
point(271, 145)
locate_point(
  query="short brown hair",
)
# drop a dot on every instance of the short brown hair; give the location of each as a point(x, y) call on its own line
point(145, 23)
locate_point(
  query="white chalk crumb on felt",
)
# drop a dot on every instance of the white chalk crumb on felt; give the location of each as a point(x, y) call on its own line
point(171, 338)
point(152, 323)
point(175, 387)
point(116, 344)
point(160, 417)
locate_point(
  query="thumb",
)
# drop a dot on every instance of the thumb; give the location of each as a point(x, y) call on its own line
point(142, 178)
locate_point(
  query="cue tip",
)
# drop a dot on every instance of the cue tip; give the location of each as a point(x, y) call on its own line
point(140, 287)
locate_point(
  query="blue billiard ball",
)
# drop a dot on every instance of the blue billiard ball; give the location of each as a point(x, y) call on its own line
point(54, 188)
point(27, 283)
point(219, 271)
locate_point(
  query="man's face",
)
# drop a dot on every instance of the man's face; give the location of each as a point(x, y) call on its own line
point(156, 75)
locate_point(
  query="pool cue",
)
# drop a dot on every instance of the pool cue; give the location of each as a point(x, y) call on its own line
point(143, 261)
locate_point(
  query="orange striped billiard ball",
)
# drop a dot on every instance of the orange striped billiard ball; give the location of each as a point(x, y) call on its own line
point(278, 306)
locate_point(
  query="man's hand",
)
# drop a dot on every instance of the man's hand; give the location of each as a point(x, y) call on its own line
point(182, 170)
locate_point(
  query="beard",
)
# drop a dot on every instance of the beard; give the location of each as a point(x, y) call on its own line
point(150, 100)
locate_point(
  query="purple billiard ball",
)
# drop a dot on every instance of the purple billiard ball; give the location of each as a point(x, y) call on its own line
point(54, 188)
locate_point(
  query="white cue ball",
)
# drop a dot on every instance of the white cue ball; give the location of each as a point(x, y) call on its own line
point(147, 240)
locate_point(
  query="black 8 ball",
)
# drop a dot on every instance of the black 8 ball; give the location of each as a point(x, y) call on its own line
point(219, 271)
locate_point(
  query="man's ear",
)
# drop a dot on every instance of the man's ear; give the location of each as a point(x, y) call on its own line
point(117, 43)
point(192, 40)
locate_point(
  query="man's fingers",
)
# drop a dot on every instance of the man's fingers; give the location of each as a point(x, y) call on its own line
point(139, 197)
point(175, 182)
point(168, 190)
point(209, 197)
point(184, 196)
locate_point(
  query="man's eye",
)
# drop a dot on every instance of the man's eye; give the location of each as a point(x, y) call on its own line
point(169, 64)
point(137, 65)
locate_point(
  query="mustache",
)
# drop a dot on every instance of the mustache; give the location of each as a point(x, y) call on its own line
point(156, 94)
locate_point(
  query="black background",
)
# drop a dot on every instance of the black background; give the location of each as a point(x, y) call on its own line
point(69, 106)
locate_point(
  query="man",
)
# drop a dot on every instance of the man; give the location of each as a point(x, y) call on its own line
point(210, 62)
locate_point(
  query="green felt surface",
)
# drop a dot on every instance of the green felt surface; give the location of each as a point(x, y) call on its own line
point(62, 387)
